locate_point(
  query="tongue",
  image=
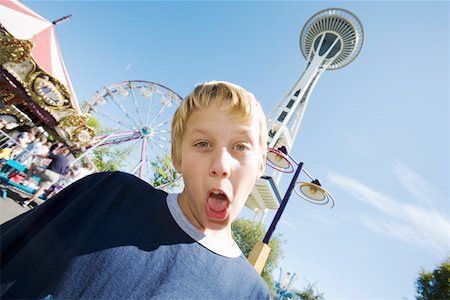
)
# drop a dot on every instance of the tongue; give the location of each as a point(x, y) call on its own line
point(217, 203)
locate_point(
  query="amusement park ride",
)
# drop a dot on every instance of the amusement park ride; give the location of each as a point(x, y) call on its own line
point(135, 118)
point(35, 89)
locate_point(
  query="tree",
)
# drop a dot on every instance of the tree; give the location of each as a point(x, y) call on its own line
point(163, 172)
point(107, 159)
point(436, 284)
point(309, 293)
point(93, 123)
point(246, 233)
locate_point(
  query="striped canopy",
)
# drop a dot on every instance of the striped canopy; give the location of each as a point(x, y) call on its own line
point(23, 23)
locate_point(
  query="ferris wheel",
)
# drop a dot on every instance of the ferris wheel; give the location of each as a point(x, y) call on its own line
point(133, 120)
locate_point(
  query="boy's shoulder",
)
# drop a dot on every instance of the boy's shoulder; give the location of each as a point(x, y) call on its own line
point(113, 188)
point(113, 175)
point(117, 179)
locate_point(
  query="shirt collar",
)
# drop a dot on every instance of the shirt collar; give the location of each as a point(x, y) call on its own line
point(215, 245)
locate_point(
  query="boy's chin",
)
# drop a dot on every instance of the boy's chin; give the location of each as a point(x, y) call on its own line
point(215, 224)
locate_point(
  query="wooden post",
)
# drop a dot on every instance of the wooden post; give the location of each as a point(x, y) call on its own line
point(258, 256)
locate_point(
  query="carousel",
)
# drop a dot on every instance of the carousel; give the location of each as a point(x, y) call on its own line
point(35, 89)
point(131, 119)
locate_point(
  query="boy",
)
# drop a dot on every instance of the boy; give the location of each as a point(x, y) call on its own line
point(111, 235)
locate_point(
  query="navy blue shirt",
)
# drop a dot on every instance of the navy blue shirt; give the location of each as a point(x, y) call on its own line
point(111, 236)
point(58, 164)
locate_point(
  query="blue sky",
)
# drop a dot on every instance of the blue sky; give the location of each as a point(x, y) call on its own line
point(376, 132)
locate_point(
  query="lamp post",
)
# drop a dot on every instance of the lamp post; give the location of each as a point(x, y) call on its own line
point(309, 191)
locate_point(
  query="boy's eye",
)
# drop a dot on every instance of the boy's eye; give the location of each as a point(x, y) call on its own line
point(241, 147)
point(202, 145)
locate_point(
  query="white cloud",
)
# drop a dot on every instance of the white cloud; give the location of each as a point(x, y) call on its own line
point(128, 67)
point(417, 186)
point(411, 223)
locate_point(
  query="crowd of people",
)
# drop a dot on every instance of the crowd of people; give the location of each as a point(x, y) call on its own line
point(49, 162)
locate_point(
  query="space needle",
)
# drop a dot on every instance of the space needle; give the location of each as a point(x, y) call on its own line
point(331, 39)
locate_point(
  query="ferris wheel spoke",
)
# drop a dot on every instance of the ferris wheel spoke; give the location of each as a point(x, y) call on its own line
point(117, 134)
point(117, 138)
point(120, 106)
point(157, 115)
point(163, 122)
point(130, 147)
point(149, 110)
point(148, 164)
point(136, 106)
point(138, 165)
point(161, 132)
point(161, 143)
point(157, 141)
point(161, 146)
point(110, 117)
point(143, 156)
point(115, 159)
point(161, 139)
point(154, 149)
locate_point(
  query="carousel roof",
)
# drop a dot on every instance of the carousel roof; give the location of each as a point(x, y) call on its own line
point(23, 23)
point(34, 81)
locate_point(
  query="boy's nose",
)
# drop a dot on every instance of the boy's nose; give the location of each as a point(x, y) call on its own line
point(220, 165)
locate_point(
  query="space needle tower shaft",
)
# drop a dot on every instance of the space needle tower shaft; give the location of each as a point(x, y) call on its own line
point(330, 39)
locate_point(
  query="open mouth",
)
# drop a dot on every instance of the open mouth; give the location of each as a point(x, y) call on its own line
point(217, 205)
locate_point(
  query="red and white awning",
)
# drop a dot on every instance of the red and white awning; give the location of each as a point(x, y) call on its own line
point(23, 23)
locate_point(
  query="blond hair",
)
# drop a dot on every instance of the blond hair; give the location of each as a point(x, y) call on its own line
point(236, 100)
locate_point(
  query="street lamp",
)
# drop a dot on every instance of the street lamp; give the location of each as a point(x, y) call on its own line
point(312, 192)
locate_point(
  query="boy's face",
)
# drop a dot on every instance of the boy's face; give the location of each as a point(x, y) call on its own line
point(221, 159)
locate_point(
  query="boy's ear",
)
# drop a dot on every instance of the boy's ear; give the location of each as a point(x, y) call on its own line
point(177, 165)
point(179, 171)
point(178, 168)
point(262, 165)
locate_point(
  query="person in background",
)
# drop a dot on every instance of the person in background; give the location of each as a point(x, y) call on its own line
point(76, 172)
point(55, 147)
point(22, 141)
point(37, 147)
point(49, 176)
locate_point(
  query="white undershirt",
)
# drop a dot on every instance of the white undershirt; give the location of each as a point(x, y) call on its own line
point(216, 245)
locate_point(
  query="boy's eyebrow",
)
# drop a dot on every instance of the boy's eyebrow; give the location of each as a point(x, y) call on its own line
point(246, 132)
point(198, 130)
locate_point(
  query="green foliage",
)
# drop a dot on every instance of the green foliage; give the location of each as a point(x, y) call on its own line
point(110, 159)
point(51, 138)
point(246, 233)
point(163, 172)
point(309, 293)
point(94, 124)
point(436, 284)
point(105, 158)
